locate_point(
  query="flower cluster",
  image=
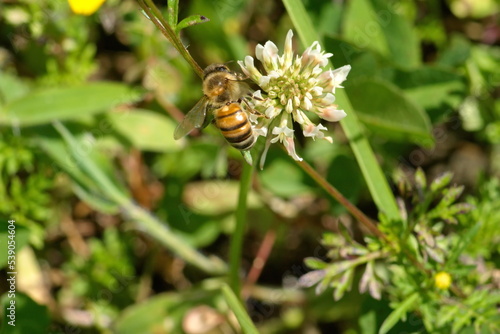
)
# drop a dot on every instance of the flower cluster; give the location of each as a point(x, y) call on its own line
point(291, 87)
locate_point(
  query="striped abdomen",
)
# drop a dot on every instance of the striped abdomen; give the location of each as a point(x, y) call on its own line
point(235, 126)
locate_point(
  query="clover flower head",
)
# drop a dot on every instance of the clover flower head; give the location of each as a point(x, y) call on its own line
point(292, 87)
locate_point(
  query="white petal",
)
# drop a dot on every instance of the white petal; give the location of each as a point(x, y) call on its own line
point(328, 99)
point(288, 52)
point(340, 74)
point(328, 139)
point(317, 91)
point(262, 131)
point(248, 62)
point(290, 147)
point(331, 114)
point(259, 49)
point(306, 104)
point(257, 94)
point(264, 81)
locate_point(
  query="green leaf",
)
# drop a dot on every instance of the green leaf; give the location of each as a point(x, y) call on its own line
point(155, 312)
point(362, 28)
point(457, 52)
point(376, 26)
point(216, 197)
point(95, 201)
point(462, 243)
point(344, 284)
point(386, 110)
point(432, 88)
point(46, 105)
point(191, 21)
point(399, 313)
point(315, 263)
point(11, 88)
point(145, 130)
point(29, 316)
point(284, 179)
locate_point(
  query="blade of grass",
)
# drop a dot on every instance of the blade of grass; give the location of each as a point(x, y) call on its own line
point(236, 246)
point(145, 221)
point(241, 314)
point(374, 177)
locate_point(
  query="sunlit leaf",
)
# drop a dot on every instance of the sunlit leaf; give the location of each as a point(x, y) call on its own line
point(45, 105)
point(146, 130)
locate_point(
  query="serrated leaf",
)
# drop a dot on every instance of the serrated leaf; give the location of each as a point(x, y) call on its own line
point(191, 21)
point(145, 130)
point(45, 105)
point(344, 284)
point(399, 313)
point(462, 243)
point(386, 110)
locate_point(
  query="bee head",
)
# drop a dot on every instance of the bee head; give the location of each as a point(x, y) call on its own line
point(215, 68)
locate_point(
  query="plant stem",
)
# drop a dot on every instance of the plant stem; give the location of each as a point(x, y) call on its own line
point(236, 246)
point(332, 191)
point(157, 18)
point(259, 262)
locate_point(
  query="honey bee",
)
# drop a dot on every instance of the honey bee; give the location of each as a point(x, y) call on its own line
point(223, 91)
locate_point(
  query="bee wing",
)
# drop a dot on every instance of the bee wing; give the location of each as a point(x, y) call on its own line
point(195, 118)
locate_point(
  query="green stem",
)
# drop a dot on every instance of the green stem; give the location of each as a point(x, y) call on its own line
point(236, 246)
point(337, 195)
point(157, 18)
point(375, 179)
point(239, 311)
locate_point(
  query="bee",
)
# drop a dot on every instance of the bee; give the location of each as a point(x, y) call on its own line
point(223, 92)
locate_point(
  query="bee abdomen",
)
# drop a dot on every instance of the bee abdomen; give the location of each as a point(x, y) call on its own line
point(235, 126)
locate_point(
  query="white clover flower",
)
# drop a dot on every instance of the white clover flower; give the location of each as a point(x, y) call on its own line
point(293, 86)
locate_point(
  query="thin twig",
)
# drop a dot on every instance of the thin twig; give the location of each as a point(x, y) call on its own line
point(358, 214)
point(259, 262)
point(156, 17)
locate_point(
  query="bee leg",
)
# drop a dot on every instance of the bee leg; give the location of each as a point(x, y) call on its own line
point(250, 109)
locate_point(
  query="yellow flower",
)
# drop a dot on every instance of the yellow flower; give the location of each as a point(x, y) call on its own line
point(442, 280)
point(85, 7)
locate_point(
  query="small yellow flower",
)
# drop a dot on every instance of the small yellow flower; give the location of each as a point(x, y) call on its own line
point(442, 280)
point(85, 7)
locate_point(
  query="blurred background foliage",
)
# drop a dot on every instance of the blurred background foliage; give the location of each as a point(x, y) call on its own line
point(425, 82)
